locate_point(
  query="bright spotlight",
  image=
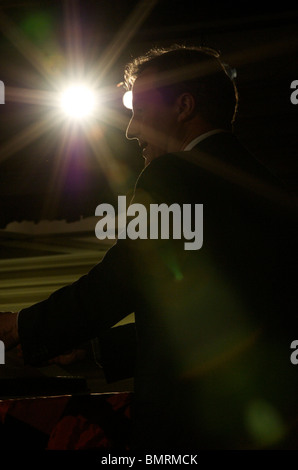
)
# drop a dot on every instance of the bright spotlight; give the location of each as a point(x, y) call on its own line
point(78, 101)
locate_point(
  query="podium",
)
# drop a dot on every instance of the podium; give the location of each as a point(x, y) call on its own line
point(74, 421)
point(45, 409)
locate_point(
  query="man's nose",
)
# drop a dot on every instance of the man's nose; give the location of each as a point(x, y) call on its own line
point(132, 130)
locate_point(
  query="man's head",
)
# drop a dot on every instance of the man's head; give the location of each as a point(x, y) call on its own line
point(178, 94)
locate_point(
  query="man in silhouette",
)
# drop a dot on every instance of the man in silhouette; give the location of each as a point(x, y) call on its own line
point(214, 325)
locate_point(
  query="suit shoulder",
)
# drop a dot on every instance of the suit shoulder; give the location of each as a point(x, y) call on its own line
point(164, 167)
point(167, 178)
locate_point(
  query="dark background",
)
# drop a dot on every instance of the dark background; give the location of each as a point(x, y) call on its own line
point(41, 179)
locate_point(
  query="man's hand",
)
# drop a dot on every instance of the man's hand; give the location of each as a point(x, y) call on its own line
point(69, 358)
point(9, 329)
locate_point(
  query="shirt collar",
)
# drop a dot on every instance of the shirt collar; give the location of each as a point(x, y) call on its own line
point(201, 137)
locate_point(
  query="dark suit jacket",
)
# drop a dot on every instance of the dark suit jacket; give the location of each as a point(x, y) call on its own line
point(214, 326)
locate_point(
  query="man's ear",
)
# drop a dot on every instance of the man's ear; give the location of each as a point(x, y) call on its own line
point(185, 106)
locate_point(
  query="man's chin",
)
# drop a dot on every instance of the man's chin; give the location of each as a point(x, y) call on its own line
point(147, 159)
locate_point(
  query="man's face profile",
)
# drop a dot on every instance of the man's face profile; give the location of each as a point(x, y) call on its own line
point(154, 123)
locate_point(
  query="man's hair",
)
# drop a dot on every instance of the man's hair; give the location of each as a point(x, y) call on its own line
point(196, 70)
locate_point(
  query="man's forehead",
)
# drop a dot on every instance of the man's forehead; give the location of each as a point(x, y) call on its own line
point(145, 83)
point(151, 80)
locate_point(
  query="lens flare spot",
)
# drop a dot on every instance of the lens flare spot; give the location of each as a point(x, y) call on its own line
point(127, 99)
point(264, 423)
point(38, 27)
